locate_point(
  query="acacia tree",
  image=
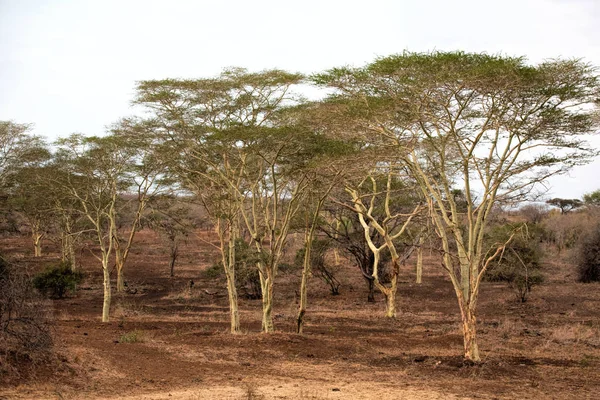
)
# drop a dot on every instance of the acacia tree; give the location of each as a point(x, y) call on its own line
point(211, 129)
point(493, 125)
point(376, 211)
point(15, 147)
point(565, 205)
point(31, 199)
point(30, 194)
point(135, 145)
point(93, 175)
point(172, 221)
point(20, 154)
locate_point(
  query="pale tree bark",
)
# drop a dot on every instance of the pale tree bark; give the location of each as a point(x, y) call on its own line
point(68, 238)
point(67, 249)
point(309, 234)
point(389, 235)
point(266, 284)
point(419, 265)
point(36, 236)
point(268, 219)
point(227, 237)
point(37, 244)
point(107, 290)
point(107, 243)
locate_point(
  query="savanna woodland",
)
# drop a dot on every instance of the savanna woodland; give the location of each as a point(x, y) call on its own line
point(392, 239)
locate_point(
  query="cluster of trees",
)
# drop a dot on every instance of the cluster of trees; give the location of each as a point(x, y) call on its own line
point(411, 150)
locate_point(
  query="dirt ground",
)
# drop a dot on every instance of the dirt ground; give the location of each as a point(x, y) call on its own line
point(169, 341)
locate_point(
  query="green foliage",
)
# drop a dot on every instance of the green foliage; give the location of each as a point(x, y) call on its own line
point(247, 277)
point(519, 264)
point(592, 198)
point(589, 258)
point(214, 271)
point(57, 280)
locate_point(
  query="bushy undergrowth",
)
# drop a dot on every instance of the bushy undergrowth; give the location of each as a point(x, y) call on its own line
point(320, 268)
point(519, 264)
point(132, 337)
point(246, 273)
point(25, 335)
point(589, 257)
point(58, 280)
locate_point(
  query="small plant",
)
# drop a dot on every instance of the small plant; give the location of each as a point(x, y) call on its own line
point(251, 393)
point(132, 337)
point(214, 271)
point(57, 280)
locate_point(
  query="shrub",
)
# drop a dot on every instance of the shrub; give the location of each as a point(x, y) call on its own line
point(247, 279)
point(132, 337)
point(589, 257)
point(24, 321)
point(57, 280)
point(519, 264)
point(214, 271)
point(319, 265)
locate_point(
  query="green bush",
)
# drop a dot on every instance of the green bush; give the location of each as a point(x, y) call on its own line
point(214, 271)
point(519, 265)
point(57, 280)
point(247, 279)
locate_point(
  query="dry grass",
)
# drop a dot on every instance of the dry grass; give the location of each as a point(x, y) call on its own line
point(576, 334)
point(127, 309)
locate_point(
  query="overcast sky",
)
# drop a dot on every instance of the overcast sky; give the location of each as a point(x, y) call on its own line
point(71, 66)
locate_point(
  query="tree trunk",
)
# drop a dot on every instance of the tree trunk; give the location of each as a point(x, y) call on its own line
point(390, 304)
point(419, 268)
point(71, 252)
point(120, 262)
point(67, 249)
point(68, 245)
point(37, 243)
point(266, 283)
point(174, 253)
point(233, 301)
point(228, 260)
point(303, 300)
point(371, 295)
point(63, 247)
point(304, 283)
point(469, 325)
point(107, 293)
point(390, 293)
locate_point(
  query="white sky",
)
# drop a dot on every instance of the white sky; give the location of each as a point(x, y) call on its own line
point(71, 65)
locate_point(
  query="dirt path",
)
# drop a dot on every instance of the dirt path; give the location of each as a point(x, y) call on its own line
point(307, 390)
